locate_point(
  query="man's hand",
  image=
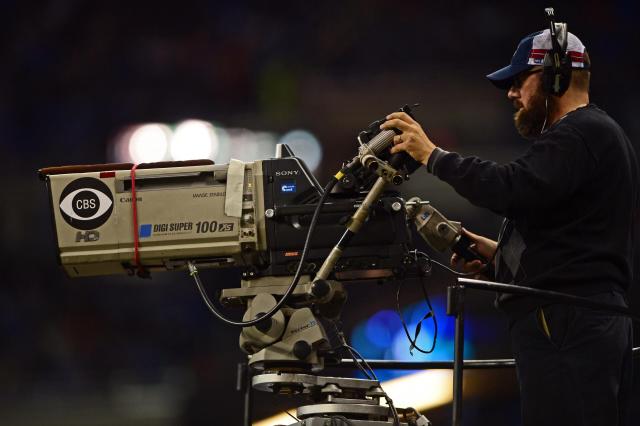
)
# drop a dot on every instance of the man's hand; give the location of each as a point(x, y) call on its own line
point(485, 247)
point(413, 139)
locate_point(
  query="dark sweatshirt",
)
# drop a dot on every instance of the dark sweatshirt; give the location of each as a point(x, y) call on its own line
point(571, 204)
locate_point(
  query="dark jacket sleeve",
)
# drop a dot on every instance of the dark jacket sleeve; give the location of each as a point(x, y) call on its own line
point(553, 168)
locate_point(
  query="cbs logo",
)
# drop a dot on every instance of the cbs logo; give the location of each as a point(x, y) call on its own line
point(86, 203)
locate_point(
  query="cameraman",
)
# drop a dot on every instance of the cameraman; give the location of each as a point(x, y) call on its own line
point(571, 206)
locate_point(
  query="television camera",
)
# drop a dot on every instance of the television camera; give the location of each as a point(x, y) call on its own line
point(272, 219)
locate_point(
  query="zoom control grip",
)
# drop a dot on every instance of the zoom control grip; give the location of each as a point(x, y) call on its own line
point(442, 234)
point(462, 248)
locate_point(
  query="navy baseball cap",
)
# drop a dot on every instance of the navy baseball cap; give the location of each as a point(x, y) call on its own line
point(530, 53)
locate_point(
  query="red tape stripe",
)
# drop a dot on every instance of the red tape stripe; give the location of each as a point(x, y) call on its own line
point(134, 203)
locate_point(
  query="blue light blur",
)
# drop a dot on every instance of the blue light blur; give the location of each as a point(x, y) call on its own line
point(382, 337)
point(380, 327)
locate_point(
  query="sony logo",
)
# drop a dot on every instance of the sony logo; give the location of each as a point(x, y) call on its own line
point(287, 172)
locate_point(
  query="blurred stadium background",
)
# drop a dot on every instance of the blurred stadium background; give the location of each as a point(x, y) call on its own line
point(91, 82)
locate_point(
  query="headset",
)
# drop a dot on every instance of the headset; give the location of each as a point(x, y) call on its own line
point(556, 75)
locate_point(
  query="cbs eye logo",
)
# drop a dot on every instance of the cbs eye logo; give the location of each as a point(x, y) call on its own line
point(86, 203)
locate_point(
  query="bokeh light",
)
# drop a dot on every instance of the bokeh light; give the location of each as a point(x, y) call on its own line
point(223, 154)
point(197, 139)
point(380, 327)
point(248, 145)
point(148, 143)
point(305, 146)
point(192, 140)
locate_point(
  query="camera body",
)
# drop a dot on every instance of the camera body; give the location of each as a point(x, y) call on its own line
point(252, 215)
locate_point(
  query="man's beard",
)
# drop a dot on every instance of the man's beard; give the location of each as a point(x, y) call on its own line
point(529, 121)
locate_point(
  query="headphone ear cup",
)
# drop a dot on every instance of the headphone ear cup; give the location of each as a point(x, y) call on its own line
point(550, 72)
point(565, 74)
point(548, 76)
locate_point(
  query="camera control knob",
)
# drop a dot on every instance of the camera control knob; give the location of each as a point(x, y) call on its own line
point(320, 288)
point(301, 349)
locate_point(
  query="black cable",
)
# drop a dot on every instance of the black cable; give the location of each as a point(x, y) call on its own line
point(453, 271)
point(394, 412)
point(294, 283)
point(371, 375)
point(355, 354)
point(357, 361)
point(392, 408)
point(431, 314)
point(443, 266)
point(350, 350)
point(292, 416)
